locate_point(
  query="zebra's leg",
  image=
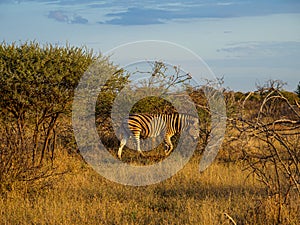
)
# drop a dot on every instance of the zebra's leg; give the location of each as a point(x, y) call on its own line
point(137, 140)
point(122, 144)
point(168, 145)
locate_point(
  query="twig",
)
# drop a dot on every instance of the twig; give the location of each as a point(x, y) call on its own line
point(230, 218)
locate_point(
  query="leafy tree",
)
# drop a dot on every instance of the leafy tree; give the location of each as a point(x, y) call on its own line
point(37, 85)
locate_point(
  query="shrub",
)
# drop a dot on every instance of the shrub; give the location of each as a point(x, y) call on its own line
point(37, 85)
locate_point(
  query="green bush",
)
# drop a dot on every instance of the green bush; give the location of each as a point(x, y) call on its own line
point(37, 85)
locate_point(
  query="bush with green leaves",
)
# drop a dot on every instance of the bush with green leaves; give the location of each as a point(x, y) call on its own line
point(37, 86)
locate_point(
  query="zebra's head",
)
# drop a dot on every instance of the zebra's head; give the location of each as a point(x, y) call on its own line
point(193, 128)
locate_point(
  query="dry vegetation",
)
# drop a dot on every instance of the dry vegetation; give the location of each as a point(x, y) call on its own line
point(81, 196)
point(73, 193)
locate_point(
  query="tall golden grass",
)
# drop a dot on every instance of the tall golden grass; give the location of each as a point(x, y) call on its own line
point(222, 194)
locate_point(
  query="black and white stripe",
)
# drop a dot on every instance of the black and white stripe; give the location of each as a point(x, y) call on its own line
point(147, 126)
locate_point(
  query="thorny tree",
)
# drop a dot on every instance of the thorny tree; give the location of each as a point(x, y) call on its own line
point(268, 128)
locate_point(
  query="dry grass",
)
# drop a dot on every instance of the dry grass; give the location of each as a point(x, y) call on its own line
point(84, 197)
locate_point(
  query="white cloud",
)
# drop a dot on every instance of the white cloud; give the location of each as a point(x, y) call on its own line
point(262, 49)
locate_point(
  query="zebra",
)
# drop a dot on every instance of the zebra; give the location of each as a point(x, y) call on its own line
point(146, 125)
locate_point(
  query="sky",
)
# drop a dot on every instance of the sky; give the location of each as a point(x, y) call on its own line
point(247, 42)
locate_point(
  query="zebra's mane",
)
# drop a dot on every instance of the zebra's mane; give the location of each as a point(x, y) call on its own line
point(157, 114)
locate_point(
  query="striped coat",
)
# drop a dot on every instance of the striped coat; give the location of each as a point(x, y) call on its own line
point(145, 126)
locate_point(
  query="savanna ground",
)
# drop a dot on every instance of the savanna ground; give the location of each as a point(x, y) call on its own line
point(255, 178)
point(75, 194)
point(81, 196)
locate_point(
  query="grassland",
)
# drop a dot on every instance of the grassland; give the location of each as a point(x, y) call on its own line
point(222, 194)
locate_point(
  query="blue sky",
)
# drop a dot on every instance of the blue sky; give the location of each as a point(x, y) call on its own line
point(246, 41)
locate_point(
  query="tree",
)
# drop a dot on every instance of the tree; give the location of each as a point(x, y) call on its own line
point(37, 85)
point(267, 133)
